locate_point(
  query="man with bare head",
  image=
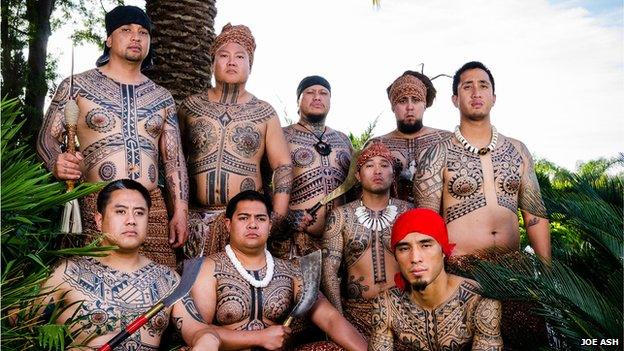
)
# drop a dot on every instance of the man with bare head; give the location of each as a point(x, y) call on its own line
point(479, 178)
point(430, 309)
point(248, 293)
point(125, 123)
point(227, 131)
point(356, 242)
point(321, 157)
point(410, 95)
point(100, 296)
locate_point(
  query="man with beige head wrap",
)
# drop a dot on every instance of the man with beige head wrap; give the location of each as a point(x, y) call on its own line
point(410, 95)
point(357, 238)
point(226, 130)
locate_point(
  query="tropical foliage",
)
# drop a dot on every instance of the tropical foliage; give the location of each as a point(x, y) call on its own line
point(580, 292)
point(30, 198)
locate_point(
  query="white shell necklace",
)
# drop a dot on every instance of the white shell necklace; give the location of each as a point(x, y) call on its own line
point(378, 223)
point(248, 277)
point(482, 151)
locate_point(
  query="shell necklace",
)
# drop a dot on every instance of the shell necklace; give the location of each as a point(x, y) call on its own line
point(482, 151)
point(248, 277)
point(378, 223)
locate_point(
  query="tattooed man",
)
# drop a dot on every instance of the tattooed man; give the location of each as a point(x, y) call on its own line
point(125, 122)
point(478, 179)
point(430, 309)
point(227, 132)
point(320, 156)
point(410, 95)
point(357, 239)
point(248, 292)
point(103, 295)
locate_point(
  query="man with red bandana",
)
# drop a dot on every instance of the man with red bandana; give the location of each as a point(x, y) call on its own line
point(430, 309)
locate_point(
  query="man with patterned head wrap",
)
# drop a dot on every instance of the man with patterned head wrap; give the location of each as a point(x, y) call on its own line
point(410, 95)
point(125, 124)
point(227, 131)
point(321, 157)
point(430, 309)
point(357, 260)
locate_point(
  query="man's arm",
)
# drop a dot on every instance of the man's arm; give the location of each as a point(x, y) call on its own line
point(429, 177)
point(63, 165)
point(278, 154)
point(533, 209)
point(381, 335)
point(486, 319)
point(194, 330)
point(326, 317)
point(175, 173)
point(332, 257)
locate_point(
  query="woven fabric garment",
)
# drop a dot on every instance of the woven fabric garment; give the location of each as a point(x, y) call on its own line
point(207, 232)
point(156, 246)
point(359, 313)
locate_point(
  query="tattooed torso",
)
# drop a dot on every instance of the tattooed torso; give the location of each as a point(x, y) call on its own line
point(314, 175)
point(363, 254)
point(479, 195)
point(406, 151)
point(465, 321)
point(112, 299)
point(225, 143)
point(120, 128)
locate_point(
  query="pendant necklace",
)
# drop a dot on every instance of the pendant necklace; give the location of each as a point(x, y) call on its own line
point(248, 277)
point(482, 151)
point(321, 147)
point(379, 223)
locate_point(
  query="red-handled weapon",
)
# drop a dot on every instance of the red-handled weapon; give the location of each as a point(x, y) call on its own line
point(191, 268)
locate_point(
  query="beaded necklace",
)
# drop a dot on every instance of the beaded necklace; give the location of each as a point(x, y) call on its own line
point(379, 223)
point(248, 277)
point(482, 151)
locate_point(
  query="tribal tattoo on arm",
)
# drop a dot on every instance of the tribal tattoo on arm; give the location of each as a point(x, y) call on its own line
point(487, 319)
point(530, 196)
point(429, 176)
point(381, 336)
point(51, 134)
point(173, 157)
point(282, 179)
point(332, 257)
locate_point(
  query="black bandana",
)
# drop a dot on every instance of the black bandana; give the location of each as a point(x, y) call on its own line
point(310, 81)
point(120, 16)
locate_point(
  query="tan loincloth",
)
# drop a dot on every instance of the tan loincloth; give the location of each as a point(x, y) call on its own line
point(359, 313)
point(156, 246)
point(521, 328)
point(319, 346)
point(207, 232)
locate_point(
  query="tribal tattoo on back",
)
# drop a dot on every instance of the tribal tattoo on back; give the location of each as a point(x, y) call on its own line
point(224, 140)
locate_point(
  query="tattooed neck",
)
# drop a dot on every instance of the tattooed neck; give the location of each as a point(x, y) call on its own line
point(318, 125)
point(229, 92)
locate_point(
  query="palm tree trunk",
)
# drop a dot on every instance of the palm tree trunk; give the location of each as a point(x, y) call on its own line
point(183, 32)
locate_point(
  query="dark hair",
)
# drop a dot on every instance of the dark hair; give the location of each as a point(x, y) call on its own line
point(467, 66)
point(105, 194)
point(247, 195)
point(431, 91)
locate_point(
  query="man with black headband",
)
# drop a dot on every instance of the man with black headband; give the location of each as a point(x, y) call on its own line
point(227, 132)
point(321, 158)
point(125, 123)
point(430, 309)
point(410, 95)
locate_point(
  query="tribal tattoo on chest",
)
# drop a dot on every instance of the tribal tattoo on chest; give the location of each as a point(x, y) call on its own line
point(316, 175)
point(246, 307)
point(464, 321)
point(113, 299)
point(224, 139)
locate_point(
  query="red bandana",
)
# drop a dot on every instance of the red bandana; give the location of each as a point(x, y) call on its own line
point(423, 221)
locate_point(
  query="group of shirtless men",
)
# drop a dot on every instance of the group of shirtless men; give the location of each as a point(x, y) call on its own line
point(384, 281)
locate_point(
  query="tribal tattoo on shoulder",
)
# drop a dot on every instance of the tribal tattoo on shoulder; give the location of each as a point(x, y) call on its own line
point(248, 308)
point(530, 196)
point(113, 299)
point(429, 176)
